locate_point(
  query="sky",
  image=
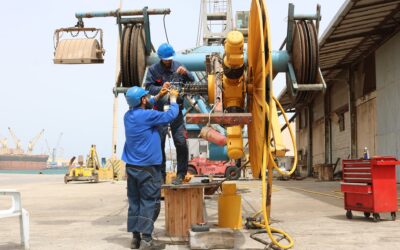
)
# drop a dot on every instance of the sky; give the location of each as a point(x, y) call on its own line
point(77, 100)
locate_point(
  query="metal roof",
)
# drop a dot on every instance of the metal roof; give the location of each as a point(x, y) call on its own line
point(358, 29)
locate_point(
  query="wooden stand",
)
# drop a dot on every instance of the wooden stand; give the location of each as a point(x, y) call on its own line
point(184, 207)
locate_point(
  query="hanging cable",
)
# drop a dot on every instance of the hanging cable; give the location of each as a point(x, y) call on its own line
point(165, 29)
point(199, 25)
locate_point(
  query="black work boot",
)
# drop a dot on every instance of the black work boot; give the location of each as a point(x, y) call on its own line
point(135, 243)
point(178, 180)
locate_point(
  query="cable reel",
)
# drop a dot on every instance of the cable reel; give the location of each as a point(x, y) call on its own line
point(82, 47)
point(303, 74)
point(133, 55)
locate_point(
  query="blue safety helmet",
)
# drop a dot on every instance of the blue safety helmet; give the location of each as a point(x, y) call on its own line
point(134, 95)
point(166, 52)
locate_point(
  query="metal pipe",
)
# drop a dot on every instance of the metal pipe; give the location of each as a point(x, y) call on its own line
point(196, 61)
point(307, 17)
point(132, 20)
point(280, 61)
point(310, 87)
point(114, 13)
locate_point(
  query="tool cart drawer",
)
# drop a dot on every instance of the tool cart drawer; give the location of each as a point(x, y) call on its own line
point(358, 188)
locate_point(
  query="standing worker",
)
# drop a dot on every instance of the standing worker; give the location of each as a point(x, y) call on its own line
point(160, 75)
point(143, 157)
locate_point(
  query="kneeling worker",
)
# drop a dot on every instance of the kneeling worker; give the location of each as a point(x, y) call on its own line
point(143, 157)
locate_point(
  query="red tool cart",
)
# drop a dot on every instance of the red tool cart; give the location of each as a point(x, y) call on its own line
point(369, 186)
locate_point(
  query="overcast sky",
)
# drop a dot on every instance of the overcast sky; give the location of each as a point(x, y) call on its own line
point(77, 99)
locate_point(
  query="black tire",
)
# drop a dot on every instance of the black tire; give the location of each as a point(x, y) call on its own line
point(376, 216)
point(393, 214)
point(232, 173)
point(192, 170)
point(200, 228)
point(367, 214)
point(349, 214)
point(96, 178)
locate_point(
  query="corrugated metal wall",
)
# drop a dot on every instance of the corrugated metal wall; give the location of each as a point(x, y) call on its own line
point(318, 133)
point(388, 98)
point(339, 106)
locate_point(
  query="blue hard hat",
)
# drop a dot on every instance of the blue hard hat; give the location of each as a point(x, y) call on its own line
point(134, 95)
point(166, 52)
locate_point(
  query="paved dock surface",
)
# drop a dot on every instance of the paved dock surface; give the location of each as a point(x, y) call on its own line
point(93, 216)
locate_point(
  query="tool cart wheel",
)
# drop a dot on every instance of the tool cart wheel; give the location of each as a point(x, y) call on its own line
point(393, 214)
point(349, 214)
point(367, 215)
point(377, 217)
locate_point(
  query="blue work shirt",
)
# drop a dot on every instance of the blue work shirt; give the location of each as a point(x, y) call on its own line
point(142, 140)
point(158, 74)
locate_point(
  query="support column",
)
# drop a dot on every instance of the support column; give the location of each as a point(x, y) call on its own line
point(353, 114)
point(327, 125)
point(309, 139)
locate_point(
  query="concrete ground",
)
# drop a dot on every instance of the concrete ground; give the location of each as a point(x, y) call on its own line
point(93, 216)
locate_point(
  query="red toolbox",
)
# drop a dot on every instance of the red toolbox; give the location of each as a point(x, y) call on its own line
point(369, 186)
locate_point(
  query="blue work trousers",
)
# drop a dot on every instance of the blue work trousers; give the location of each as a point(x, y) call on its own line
point(144, 191)
point(179, 135)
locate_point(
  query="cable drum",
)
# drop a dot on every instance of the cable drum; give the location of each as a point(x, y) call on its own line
point(133, 55)
point(125, 46)
point(305, 57)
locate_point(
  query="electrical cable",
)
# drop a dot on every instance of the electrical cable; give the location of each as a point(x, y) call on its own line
point(165, 28)
point(199, 26)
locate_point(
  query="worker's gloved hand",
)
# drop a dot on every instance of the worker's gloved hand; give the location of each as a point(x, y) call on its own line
point(173, 94)
point(163, 92)
point(166, 85)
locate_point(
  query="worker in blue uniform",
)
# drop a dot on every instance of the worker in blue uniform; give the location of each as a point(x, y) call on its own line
point(143, 158)
point(160, 75)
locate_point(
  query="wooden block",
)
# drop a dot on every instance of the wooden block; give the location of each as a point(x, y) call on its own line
point(214, 239)
point(183, 207)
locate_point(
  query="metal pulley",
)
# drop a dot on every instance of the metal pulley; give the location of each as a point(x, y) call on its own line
point(133, 55)
point(82, 47)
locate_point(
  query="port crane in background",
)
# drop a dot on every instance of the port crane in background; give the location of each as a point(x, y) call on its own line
point(4, 145)
point(18, 148)
point(53, 151)
point(33, 142)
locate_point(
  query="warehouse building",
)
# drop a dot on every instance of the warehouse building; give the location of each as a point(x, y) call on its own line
point(360, 61)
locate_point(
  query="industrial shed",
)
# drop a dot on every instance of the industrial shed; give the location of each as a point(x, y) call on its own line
point(360, 61)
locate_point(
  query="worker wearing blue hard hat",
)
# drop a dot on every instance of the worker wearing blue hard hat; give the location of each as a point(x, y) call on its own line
point(162, 75)
point(143, 157)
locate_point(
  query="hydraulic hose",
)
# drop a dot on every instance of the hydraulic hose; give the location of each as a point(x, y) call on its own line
point(268, 157)
point(266, 225)
point(294, 165)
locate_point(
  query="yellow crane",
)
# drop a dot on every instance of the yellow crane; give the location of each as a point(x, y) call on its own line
point(33, 142)
point(4, 145)
point(18, 148)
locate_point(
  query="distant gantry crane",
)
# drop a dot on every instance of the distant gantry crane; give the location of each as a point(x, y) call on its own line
point(33, 142)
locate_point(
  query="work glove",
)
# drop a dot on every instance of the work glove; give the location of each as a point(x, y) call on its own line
point(173, 94)
point(163, 92)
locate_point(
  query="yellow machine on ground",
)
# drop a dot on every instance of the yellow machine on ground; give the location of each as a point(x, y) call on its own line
point(89, 171)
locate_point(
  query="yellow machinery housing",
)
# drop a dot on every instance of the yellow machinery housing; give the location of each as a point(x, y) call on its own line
point(91, 171)
point(229, 207)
